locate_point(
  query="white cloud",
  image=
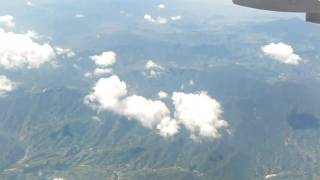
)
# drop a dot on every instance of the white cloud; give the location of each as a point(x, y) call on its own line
point(162, 95)
point(153, 65)
point(270, 176)
point(7, 21)
point(153, 69)
point(58, 178)
point(161, 6)
point(168, 127)
point(157, 20)
point(29, 3)
point(148, 112)
point(102, 71)
point(65, 52)
point(96, 118)
point(32, 34)
point(105, 59)
point(87, 74)
point(199, 113)
point(79, 16)
point(6, 85)
point(106, 94)
point(176, 18)
point(111, 94)
point(282, 53)
point(20, 50)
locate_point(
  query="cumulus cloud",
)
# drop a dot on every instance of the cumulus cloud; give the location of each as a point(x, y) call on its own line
point(6, 85)
point(105, 59)
point(102, 71)
point(199, 113)
point(162, 95)
point(281, 52)
point(106, 94)
point(153, 69)
point(168, 127)
point(153, 65)
point(20, 50)
point(7, 21)
point(65, 52)
point(148, 112)
point(111, 94)
point(156, 20)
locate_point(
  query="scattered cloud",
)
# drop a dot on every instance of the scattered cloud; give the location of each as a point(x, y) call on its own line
point(185, 85)
point(157, 20)
point(153, 69)
point(270, 176)
point(105, 59)
point(102, 71)
point(111, 94)
point(6, 85)
point(153, 65)
point(87, 74)
point(79, 16)
point(162, 95)
point(65, 52)
point(106, 94)
point(168, 127)
point(29, 3)
point(96, 118)
point(281, 52)
point(161, 6)
point(199, 113)
point(176, 18)
point(148, 112)
point(20, 50)
point(7, 21)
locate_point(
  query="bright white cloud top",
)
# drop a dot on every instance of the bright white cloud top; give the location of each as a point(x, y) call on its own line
point(157, 20)
point(7, 21)
point(168, 127)
point(148, 112)
point(105, 59)
point(162, 95)
point(153, 65)
point(111, 94)
point(20, 50)
point(106, 94)
point(153, 69)
point(281, 52)
point(199, 113)
point(6, 85)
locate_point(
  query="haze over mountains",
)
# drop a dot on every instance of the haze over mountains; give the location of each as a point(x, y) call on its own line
point(157, 90)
